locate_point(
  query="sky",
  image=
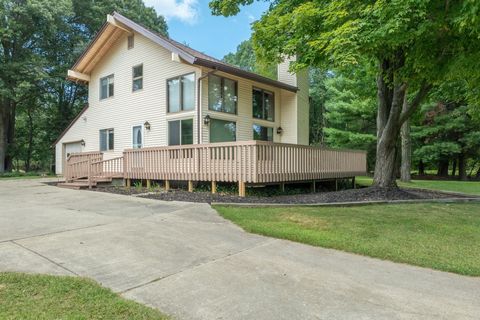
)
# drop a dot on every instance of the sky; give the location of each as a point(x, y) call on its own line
point(191, 22)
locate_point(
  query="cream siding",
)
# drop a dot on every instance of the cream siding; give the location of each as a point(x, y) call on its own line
point(127, 109)
point(243, 118)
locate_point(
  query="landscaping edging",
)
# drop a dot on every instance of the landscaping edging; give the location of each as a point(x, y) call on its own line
point(346, 204)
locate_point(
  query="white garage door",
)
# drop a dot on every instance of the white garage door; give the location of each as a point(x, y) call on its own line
point(73, 147)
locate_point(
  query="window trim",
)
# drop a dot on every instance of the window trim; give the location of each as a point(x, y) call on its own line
point(263, 103)
point(224, 120)
point(180, 131)
point(136, 78)
point(108, 87)
point(264, 126)
point(107, 139)
point(180, 98)
point(142, 129)
point(222, 84)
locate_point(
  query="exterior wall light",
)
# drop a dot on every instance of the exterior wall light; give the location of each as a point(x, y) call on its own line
point(206, 120)
point(82, 143)
point(147, 125)
point(279, 130)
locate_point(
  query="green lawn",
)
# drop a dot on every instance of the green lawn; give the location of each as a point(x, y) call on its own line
point(26, 297)
point(468, 187)
point(439, 236)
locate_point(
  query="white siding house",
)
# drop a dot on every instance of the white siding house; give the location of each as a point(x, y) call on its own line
point(117, 114)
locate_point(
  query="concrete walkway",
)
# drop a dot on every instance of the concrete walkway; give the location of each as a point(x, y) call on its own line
point(187, 261)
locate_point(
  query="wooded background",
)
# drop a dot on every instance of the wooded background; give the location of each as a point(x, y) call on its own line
point(433, 47)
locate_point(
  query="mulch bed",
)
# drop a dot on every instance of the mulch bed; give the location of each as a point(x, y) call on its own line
point(352, 195)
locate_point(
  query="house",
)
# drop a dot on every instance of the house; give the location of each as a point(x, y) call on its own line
point(148, 91)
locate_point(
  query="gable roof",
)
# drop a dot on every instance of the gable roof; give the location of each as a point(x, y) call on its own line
point(117, 24)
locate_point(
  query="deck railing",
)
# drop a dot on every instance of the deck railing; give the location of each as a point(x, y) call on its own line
point(78, 165)
point(110, 168)
point(245, 161)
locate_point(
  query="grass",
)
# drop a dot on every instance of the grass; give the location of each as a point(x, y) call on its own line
point(24, 296)
point(467, 187)
point(439, 236)
point(24, 175)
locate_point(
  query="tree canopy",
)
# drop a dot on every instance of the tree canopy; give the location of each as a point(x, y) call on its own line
point(416, 45)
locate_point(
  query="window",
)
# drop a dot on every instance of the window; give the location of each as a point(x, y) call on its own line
point(130, 42)
point(263, 104)
point(222, 94)
point(262, 133)
point(181, 93)
point(222, 131)
point(180, 132)
point(137, 139)
point(106, 87)
point(137, 74)
point(106, 140)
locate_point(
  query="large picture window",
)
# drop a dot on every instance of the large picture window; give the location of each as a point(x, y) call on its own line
point(222, 94)
point(106, 140)
point(137, 137)
point(106, 87)
point(263, 104)
point(222, 131)
point(181, 93)
point(137, 78)
point(262, 133)
point(180, 132)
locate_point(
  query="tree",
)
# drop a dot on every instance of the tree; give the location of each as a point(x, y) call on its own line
point(244, 57)
point(39, 41)
point(415, 44)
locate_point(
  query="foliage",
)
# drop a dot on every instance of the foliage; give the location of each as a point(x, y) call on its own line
point(245, 58)
point(40, 40)
point(448, 233)
point(415, 44)
point(25, 296)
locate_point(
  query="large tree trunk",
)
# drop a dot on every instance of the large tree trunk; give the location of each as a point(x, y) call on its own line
point(406, 166)
point(443, 168)
point(28, 158)
point(7, 134)
point(390, 117)
point(462, 167)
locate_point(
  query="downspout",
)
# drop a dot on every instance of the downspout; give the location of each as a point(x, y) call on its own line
point(199, 102)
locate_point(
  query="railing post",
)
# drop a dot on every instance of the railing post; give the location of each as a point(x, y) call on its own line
point(89, 173)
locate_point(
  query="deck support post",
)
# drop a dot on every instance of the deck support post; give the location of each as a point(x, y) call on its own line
point(314, 188)
point(336, 184)
point(190, 186)
point(149, 183)
point(167, 185)
point(128, 183)
point(354, 186)
point(282, 187)
point(214, 187)
point(241, 189)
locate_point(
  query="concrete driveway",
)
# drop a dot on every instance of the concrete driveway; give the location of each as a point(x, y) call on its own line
point(187, 261)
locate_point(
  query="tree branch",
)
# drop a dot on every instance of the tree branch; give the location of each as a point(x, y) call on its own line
point(421, 94)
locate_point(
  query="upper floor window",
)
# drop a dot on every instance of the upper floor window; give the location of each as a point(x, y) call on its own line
point(222, 94)
point(130, 42)
point(106, 87)
point(106, 139)
point(263, 104)
point(137, 74)
point(181, 93)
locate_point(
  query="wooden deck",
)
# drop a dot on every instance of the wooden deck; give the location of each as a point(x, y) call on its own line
point(245, 162)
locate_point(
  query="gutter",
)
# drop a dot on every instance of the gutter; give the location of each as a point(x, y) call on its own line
point(199, 102)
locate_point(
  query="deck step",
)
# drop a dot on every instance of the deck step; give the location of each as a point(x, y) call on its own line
point(73, 185)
